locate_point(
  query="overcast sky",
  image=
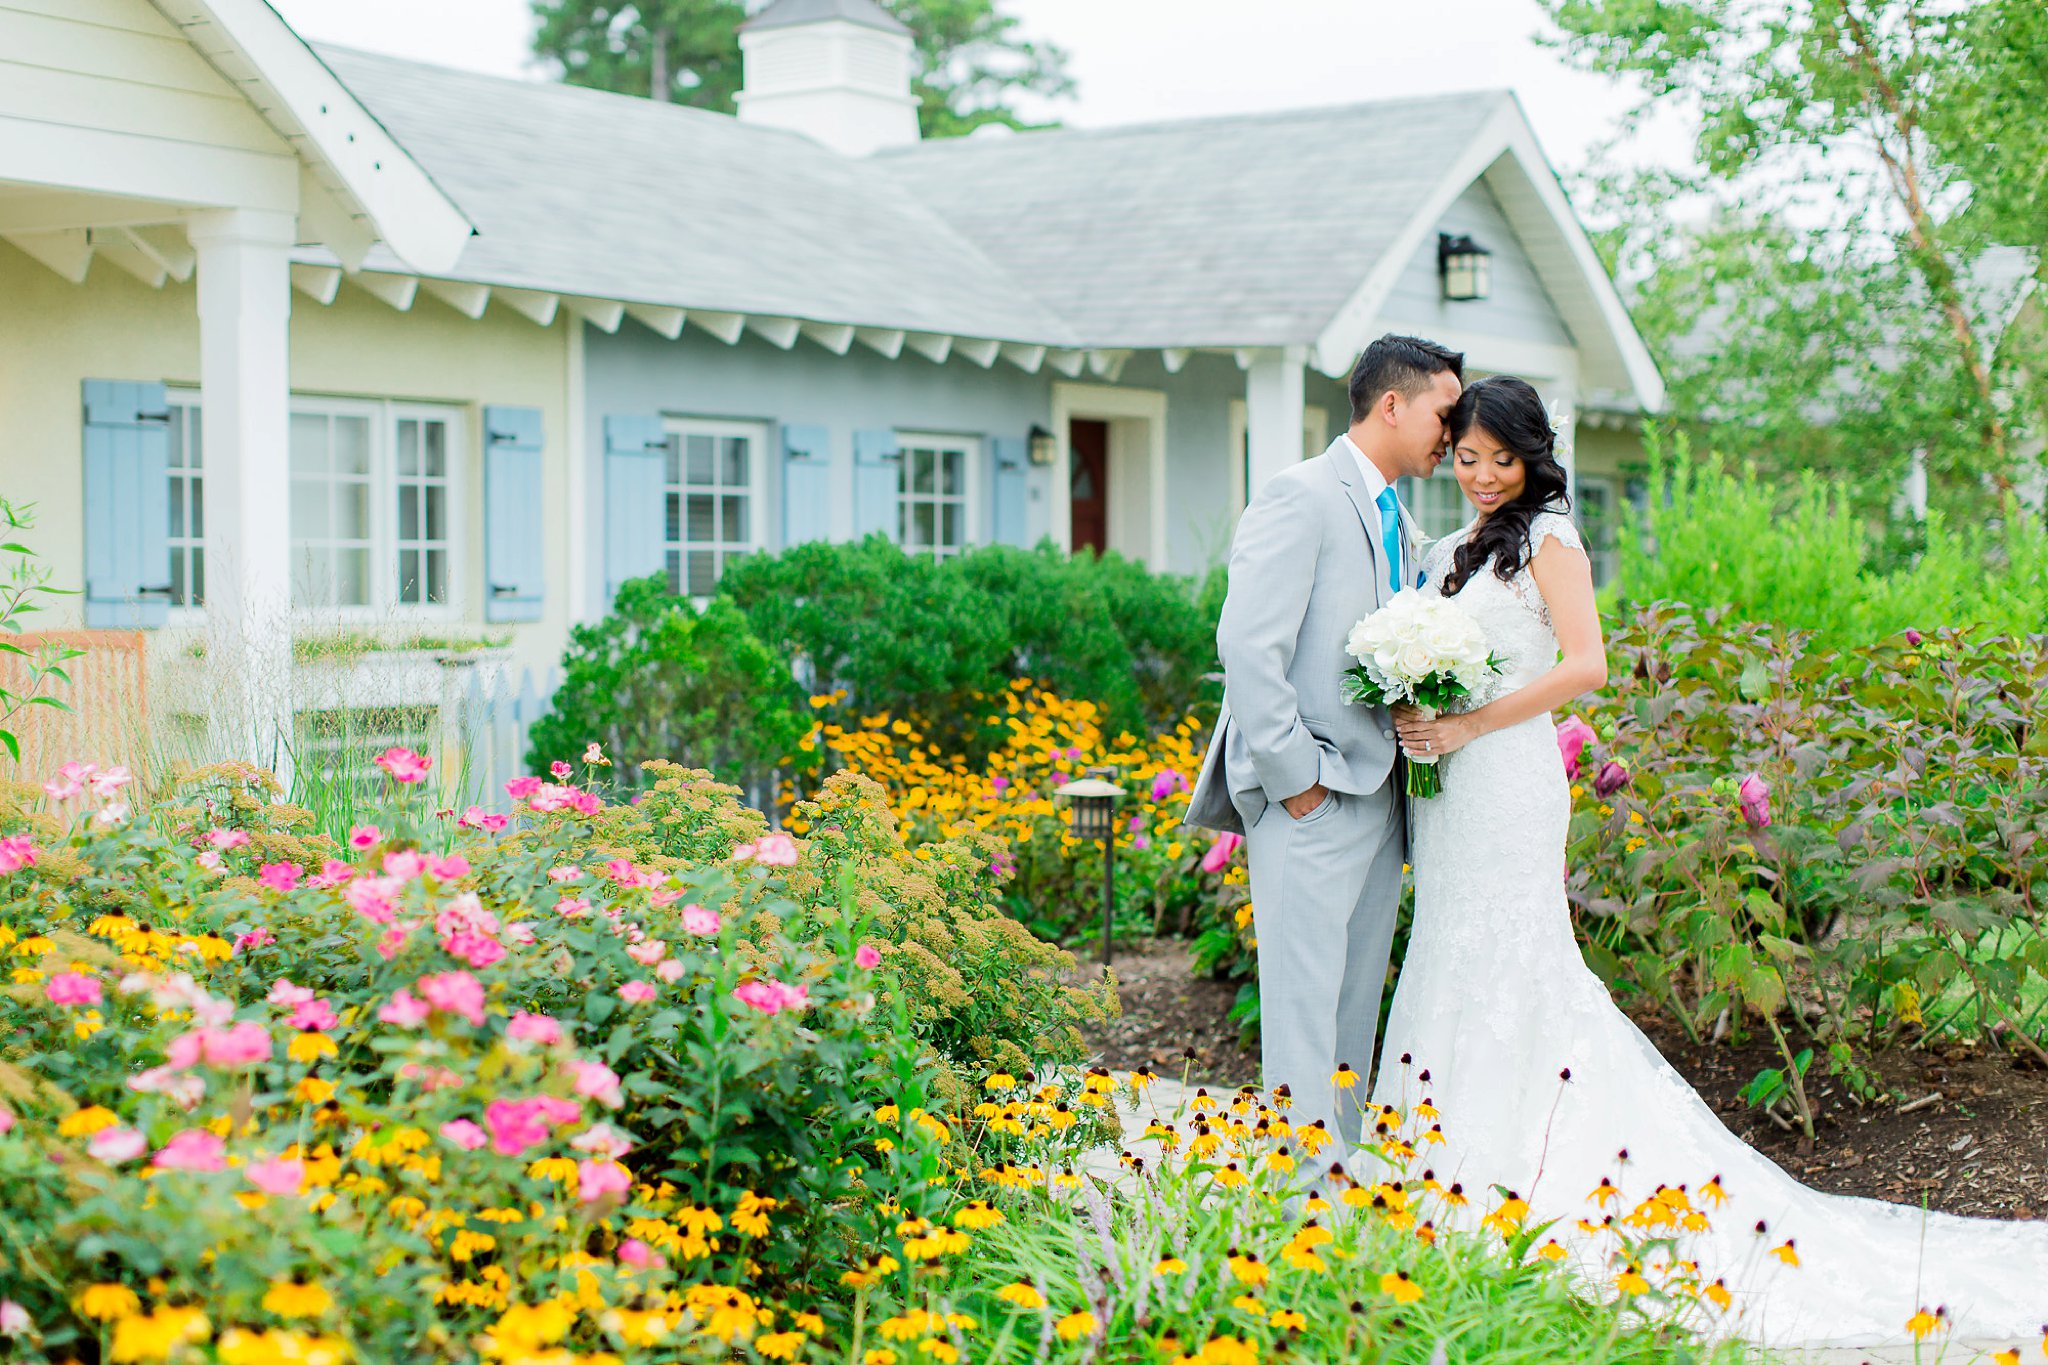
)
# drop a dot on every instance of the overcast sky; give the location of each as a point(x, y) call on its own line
point(1136, 60)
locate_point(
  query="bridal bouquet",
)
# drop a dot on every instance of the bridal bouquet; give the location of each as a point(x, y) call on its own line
point(1424, 650)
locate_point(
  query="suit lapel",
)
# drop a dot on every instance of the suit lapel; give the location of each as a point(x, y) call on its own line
point(1345, 466)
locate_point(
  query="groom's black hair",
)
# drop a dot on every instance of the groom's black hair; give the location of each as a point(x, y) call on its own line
point(1403, 365)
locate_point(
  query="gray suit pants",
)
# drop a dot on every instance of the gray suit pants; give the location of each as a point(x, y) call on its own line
point(1325, 892)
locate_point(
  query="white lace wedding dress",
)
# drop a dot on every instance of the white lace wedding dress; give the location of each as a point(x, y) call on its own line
point(1495, 1001)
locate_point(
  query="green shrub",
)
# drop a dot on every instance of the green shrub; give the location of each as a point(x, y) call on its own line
point(882, 631)
point(659, 679)
point(1803, 558)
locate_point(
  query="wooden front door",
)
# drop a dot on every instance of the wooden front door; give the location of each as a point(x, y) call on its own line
point(1089, 441)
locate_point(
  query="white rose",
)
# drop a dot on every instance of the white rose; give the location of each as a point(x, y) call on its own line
point(1416, 661)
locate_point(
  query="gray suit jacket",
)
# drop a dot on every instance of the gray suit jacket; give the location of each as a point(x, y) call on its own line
point(1306, 565)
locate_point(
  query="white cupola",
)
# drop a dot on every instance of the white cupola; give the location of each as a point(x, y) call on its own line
point(838, 71)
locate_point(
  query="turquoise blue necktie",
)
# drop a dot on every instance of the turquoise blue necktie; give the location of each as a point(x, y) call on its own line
point(1390, 535)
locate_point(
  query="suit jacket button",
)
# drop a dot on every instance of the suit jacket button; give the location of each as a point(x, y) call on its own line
point(1386, 734)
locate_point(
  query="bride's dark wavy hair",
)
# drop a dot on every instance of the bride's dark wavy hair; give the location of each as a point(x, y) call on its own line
point(1509, 410)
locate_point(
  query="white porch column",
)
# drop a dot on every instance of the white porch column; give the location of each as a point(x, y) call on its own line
point(1564, 415)
point(244, 372)
point(1273, 406)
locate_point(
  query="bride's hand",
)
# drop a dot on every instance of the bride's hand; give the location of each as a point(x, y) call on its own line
point(1423, 738)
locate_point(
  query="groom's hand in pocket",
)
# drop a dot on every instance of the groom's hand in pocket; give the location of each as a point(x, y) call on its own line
point(1302, 803)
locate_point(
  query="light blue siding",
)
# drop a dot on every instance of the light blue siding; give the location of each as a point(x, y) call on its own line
point(806, 484)
point(1518, 308)
point(515, 565)
point(634, 505)
point(877, 482)
point(1009, 470)
point(127, 505)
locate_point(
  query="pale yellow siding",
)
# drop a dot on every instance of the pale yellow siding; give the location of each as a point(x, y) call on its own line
point(55, 335)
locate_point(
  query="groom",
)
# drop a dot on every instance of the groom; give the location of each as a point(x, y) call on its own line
point(1307, 778)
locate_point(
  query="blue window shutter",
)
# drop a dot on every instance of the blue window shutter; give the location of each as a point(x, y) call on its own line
point(635, 509)
point(1006, 520)
point(806, 484)
point(877, 484)
point(127, 505)
point(515, 569)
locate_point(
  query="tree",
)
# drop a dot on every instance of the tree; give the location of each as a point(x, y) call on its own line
point(1840, 268)
point(972, 62)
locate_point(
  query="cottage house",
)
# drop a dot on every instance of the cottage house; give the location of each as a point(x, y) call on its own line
point(297, 341)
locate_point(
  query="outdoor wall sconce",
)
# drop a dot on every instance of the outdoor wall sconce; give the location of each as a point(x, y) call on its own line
point(1092, 811)
point(1466, 267)
point(1044, 449)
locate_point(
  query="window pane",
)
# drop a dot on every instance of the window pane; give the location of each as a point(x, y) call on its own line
point(198, 508)
point(735, 471)
point(921, 471)
point(698, 464)
point(352, 511)
point(178, 597)
point(409, 576)
point(312, 583)
point(675, 518)
point(177, 507)
point(198, 575)
point(309, 443)
point(436, 435)
point(735, 530)
point(177, 459)
point(922, 523)
point(309, 510)
point(408, 447)
point(437, 511)
point(437, 576)
point(954, 466)
point(702, 527)
point(352, 445)
point(352, 578)
point(408, 512)
point(949, 524)
point(675, 571)
point(672, 462)
point(195, 449)
point(703, 573)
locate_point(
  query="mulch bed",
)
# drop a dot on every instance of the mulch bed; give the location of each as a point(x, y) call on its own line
point(1979, 1146)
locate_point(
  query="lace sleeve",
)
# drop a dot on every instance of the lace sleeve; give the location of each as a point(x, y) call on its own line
point(1553, 525)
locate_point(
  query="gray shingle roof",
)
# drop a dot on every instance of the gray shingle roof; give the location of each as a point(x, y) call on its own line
point(1238, 231)
point(789, 13)
point(579, 191)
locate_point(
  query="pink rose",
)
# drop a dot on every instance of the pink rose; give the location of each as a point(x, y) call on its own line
point(370, 897)
point(225, 839)
point(515, 1126)
point(116, 1145)
point(404, 1010)
point(1572, 738)
point(476, 950)
point(313, 1016)
point(559, 770)
point(572, 907)
point(454, 867)
point(775, 850)
point(455, 993)
point(242, 1044)
point(279, 876)
point(762, 995)
point(867, 957)
point(209, 861)
point(72, 988)
point(519, 788)
point(1611, 778)
point(640, 1256)
point(194, 1149)
point(6, 1119)
point(405, 864)
point(1221, 851)
point(597, 1179)
point(1755, 795)
point(601, 1139)
point(596, 1081)
point(535, 1028)
point(670, 971)
point(334, 872)
point(648, 953)
point(259, 937)
point(464, 1134)
point(285, 993)
point(637, 992)
point(701, 922)
point(403, 764)
point(364, 836)
point(16, 852)
point(280, 1177)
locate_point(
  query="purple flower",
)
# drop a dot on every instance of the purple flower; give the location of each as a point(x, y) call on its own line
point(1611, 778)
point(1572, 738)
point(1167, 783)
point(1756, 800)
point(1913, 638)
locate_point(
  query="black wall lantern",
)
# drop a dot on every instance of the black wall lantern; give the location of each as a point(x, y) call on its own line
point(1044, 450)
point(1466, 268)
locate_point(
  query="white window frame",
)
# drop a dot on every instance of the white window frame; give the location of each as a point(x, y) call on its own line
point(185, 410)
point(1606, 559)
point(384, 416)
point(973, 529)
point(678, 430)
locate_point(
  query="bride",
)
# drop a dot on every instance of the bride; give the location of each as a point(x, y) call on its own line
point(1542, 1083)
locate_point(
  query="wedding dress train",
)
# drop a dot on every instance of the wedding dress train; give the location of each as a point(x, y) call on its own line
point(1495, 1002)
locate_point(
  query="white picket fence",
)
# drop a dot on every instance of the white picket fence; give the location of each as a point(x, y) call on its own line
point(493, 718)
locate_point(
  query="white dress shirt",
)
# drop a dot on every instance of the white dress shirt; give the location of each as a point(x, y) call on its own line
point(1374, 483)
